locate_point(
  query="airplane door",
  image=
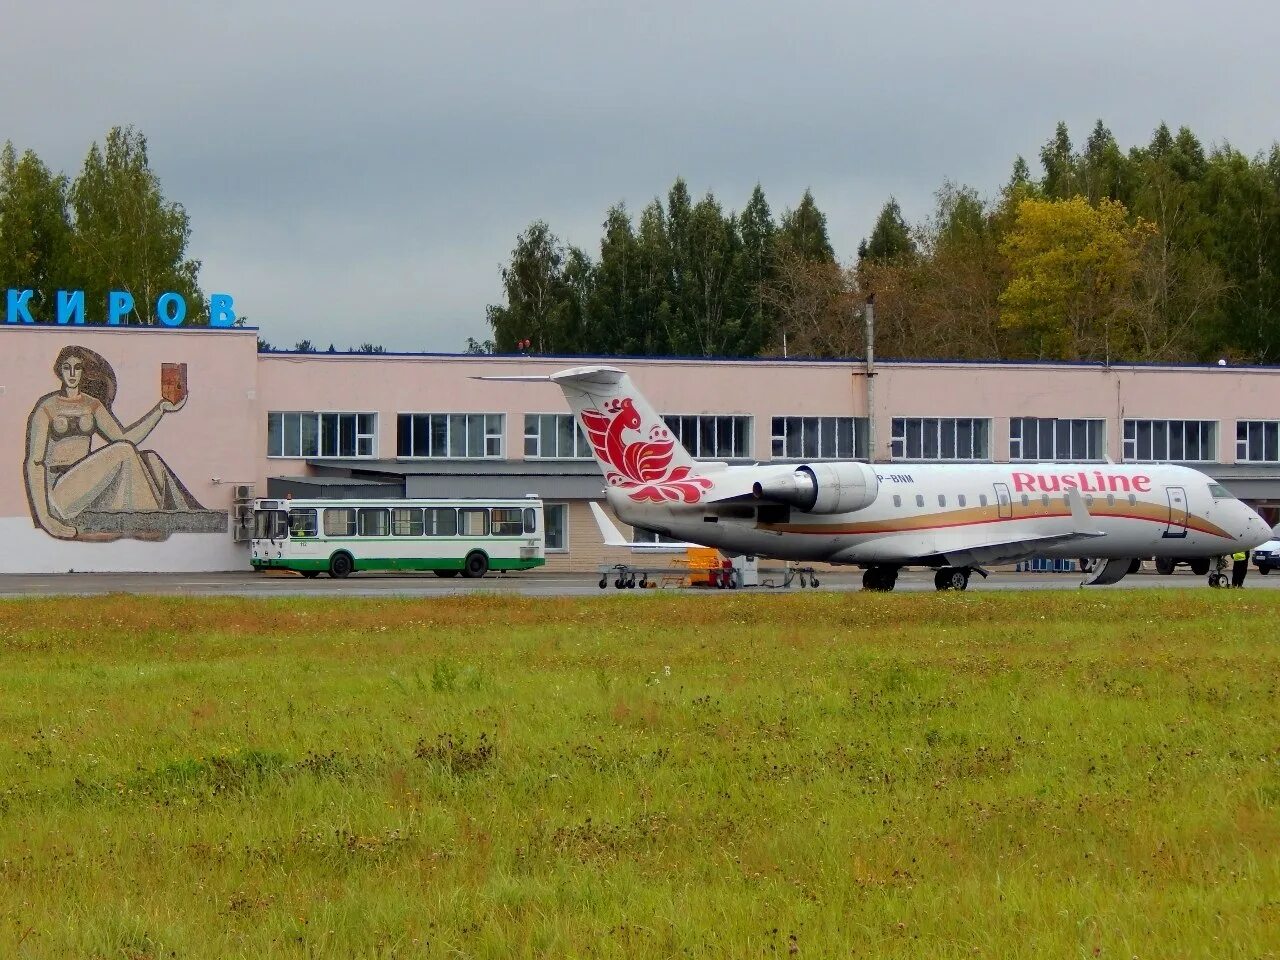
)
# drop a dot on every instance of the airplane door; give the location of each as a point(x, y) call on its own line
point(1003, 501)
point(1177, 512)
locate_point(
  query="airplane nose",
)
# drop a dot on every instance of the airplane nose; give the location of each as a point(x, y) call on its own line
point(1257, 532)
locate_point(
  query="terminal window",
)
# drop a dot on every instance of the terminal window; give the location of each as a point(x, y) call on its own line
point(1258, 441)
point(941, 438)
point(458, 436)
point(1179, 441)
point(301, 434)
point(710, 437)
point(554, 436)
point(821, 438)
point(1048, 438)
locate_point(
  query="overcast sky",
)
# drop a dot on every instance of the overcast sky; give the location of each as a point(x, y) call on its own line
point(359, 171)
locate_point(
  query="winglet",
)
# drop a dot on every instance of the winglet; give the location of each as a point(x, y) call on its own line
point(1081, 519)
point(612, 537)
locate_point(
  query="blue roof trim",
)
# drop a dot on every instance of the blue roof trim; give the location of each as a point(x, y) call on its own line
point(131, 327)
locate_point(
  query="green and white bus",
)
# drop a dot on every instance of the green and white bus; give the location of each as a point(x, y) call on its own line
point(448, 537)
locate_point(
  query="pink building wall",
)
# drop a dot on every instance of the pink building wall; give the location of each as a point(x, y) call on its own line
point(213, 435)
point(219, 437)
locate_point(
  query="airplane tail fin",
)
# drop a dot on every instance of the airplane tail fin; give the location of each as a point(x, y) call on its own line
point(635, 448)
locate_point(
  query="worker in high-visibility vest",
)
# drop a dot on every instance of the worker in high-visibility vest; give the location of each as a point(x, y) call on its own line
point(1239, 567)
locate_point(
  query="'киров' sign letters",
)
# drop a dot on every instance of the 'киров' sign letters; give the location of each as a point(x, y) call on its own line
point(171, 308)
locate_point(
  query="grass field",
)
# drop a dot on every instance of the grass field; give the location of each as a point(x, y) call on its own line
point(1037, 775)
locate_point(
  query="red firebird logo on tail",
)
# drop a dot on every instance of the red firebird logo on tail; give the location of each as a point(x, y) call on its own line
point(639, 467)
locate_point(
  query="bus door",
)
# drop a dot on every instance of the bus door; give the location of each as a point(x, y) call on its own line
point(1003, 501)
point(1177, 526)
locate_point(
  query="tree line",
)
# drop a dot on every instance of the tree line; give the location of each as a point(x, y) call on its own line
point(1164, 252)
point(109, 228)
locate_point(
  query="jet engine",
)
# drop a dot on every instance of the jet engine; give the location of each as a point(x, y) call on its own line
point(822, 487)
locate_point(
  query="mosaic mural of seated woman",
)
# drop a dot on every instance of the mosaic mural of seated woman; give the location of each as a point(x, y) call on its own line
point(79, 492)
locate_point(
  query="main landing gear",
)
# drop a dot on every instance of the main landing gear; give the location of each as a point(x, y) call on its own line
point(952, 578)
point(880, 578)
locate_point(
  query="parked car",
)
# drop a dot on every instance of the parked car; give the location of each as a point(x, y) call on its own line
point(1267, 557)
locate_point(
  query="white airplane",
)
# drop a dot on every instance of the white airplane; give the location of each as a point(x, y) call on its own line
point(953, 518)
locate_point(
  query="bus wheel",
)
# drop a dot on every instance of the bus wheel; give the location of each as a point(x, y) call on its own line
point(310, 574)
point(445, 573)
point(340, 565)
point(476, 565)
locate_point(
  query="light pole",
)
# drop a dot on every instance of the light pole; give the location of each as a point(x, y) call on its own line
point(869, 317)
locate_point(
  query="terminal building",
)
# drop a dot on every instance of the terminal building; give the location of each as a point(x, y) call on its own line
point(140, 448)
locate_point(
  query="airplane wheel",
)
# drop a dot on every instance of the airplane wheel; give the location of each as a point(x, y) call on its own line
point(940, 579)
point(1218, 580)
point(813, 582)
point(1165, 565)
point(880, 579)
point(1199, 567)
point(959, 578)
point(604, 583)
point(631, 582)
point(644, 583)
point(617, 584)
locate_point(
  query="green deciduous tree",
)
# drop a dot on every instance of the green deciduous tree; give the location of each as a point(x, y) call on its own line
point(127, 235)
point(35, 232)
point(543, 283)
point(1073, 269)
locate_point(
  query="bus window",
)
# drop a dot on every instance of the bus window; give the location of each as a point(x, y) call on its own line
point(473, 522)
point(302, 523)
point(339, 522)
point(507, 522)
point(440, 522)
point(406, 522)
point(530, 520)
point(374, 522)
point(982, 499)
point(269, 525)
point(960, 499)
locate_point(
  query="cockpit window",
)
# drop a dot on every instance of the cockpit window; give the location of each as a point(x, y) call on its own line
point(1219, 492)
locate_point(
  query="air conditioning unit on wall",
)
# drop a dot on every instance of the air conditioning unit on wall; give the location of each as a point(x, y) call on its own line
point(244, 513)
point(243, 492)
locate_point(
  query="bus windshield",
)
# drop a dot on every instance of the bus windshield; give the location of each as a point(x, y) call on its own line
point(270, 525)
